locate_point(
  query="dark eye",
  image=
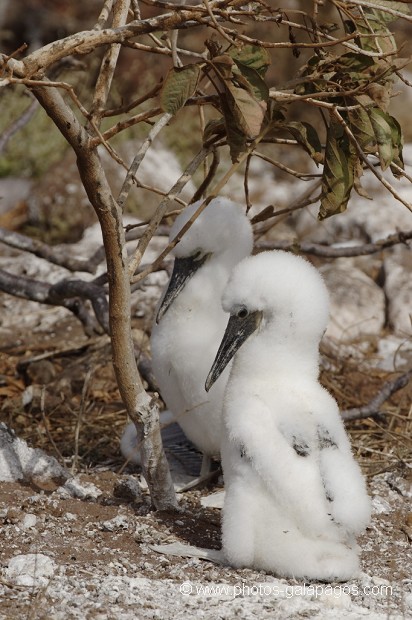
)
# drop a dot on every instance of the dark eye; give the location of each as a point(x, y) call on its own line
point(197, 255)
point(242, 313)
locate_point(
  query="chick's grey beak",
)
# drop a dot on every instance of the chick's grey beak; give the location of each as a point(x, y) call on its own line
point(237, 332)
point(183, 270)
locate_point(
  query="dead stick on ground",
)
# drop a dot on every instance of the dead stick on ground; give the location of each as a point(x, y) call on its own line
point(46, 425)
point(373, 408)
point(79, 420)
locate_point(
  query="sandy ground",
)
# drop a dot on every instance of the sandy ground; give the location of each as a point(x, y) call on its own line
point(93, 557)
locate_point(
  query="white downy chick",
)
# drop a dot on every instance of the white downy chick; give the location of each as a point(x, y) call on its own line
point(191, 321)
point(295, 496)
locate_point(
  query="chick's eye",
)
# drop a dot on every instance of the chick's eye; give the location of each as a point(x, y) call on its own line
point(242, 313)
point(197, 255)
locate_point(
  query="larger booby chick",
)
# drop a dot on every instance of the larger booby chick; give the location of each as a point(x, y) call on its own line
point(295, 497)
point(191, 321)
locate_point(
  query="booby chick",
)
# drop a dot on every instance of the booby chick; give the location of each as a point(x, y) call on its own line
point(295, 497)
point(190, 321)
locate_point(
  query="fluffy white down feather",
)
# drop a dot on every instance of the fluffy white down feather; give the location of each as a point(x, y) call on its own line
point(295, 496)
point(185, 341)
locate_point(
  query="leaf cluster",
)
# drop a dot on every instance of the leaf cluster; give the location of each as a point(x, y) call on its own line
point(351, 89)
point(241, 93)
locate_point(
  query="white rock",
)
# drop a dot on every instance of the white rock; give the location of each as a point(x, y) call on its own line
point(357, 303)
point(394, 353)
point(18, 461)
point(28, 521)
point(380, 505)
point(398, 289)
point(339, 600)
point(81, 490)
point(32, 569)
point(407, 599)
point(214, 500)
point(117, 523)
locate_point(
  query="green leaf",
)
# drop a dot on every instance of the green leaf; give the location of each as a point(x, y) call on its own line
point(235, 137)
point(355, 62)
point(247, 111)
point(254, 81)
point(382, 127)
point(397, 141)
point(180, 84)
point(395, 6)
point(252, 56)
point(358, 173)
point(383, 41)
point(307, 136)
point(390, 141)
point(338, 172)
point(361, 126)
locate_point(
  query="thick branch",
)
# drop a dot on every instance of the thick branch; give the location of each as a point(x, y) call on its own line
point(33, 290)
point(84, 42)
point(139, 406)
point(55, 255)
point(141, 409)
point(66, 289)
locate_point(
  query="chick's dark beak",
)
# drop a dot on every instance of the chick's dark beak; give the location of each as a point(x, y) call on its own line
point(183, 270)
point(237, 332)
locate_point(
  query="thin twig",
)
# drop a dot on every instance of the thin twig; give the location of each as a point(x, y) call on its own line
point(209, 177)
point(163, 50)
point(136, 9)
point(246, 183)
point(129, 122)
point(127, 184)
point(220, 30)
point(18, 124)
point(277, 164)
point(55, 255)
point(133, 104)
point(161, 210)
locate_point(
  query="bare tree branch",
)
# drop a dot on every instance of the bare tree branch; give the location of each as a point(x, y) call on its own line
point(83, 42)
point(66, 289)
point(140, 407)
point(28, 288)
point(55, 255)
point(327, 251)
